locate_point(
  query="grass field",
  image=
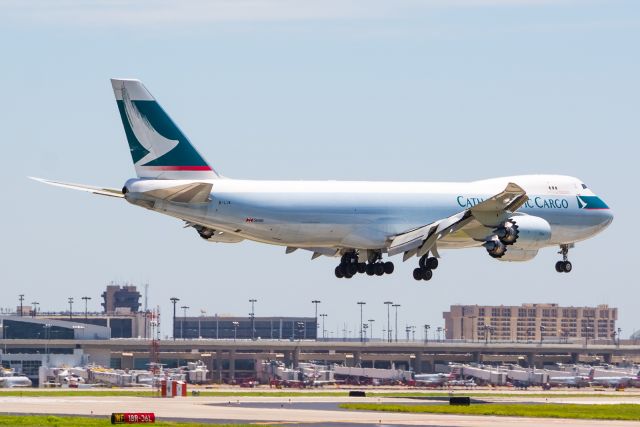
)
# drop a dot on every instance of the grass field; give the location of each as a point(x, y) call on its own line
point(550, 410)
point(53, 421)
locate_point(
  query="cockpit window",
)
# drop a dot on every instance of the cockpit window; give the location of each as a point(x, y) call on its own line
point(584, 186)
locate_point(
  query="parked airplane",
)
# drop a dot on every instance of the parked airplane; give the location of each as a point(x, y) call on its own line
point(512, 218)
point(433, 380)
point(8, 379)
point(569, 381)
point(617, 381)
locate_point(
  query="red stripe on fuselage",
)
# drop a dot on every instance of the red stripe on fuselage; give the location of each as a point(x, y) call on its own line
point(179, 168)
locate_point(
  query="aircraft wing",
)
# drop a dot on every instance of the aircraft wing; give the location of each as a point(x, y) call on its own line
point(111, 192)
point(489, 213)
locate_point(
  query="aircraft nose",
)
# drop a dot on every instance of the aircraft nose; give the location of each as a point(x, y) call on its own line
point(607, 217)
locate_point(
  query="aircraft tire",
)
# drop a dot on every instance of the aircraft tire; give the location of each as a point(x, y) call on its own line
point(351, 269)
point(422, 262)
point(432, 263)
point(388, 267)
point(371, 270)
point(417, 273)
point(559, 266)
point(348, 276)
point(339, 272)
point(567, 267)
point(427, 274)
point(379, 269)
point(362, 267)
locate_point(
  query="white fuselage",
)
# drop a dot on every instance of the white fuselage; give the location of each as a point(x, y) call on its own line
point(365, 215)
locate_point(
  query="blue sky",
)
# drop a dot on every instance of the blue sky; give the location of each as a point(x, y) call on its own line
point(284, 89)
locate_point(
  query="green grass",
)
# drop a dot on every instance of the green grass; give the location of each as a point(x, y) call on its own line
point(54, 421)
point(550, 410)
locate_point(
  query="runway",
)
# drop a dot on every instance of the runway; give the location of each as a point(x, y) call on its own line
point(299, 410)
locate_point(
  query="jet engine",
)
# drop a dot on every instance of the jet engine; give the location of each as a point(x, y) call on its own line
point(519, 238)
point(496, 248)
point(525, 232)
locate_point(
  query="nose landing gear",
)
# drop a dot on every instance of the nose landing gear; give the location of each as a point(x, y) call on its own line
point(426, 266)
point(565, 265)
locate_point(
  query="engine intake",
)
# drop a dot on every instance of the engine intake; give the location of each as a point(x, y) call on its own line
point(508, 233)
point(496, 248)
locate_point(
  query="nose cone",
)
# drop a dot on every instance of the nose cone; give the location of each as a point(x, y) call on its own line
point(606, 216)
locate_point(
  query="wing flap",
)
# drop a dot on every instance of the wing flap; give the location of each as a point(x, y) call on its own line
point(102, 191)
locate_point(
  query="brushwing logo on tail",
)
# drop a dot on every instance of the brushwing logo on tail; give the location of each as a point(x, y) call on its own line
point(155, 144)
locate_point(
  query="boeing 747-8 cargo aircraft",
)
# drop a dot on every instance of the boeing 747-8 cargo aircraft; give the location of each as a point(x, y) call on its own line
point(511, 218)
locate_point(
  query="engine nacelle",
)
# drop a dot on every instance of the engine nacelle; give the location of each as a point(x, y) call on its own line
point(496, 248)
point(518, 255)
point(525, 232)
point(212, 235)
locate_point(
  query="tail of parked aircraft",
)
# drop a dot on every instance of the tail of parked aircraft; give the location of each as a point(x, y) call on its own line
point(158, 147)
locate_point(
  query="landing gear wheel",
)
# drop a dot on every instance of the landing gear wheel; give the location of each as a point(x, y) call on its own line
point(432, 263)
point(348, 276)
point(567, 266)
point(388, 267)
point(351, 269)
point(371, 269)
point(339, 272)
point(362, 267)
point(422, 262)
point(560, 266)
point(379, 269)
point(417, 273)
point(427, 274)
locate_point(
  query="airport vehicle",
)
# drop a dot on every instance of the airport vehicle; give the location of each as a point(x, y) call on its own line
point(512, 218)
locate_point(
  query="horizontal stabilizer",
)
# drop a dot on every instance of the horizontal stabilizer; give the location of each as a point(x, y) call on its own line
point(111, 192)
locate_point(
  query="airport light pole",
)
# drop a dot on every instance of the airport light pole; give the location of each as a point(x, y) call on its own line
point(86, 309)
point(323, 315)
point(21, 298)
point(371, 328)
point(619, 332)
point(174, 300)
point(253, 318)
point(235, 330)
point(361, 304)
point(35, 305)
point(184, 319)
point(388, 304)
point(426, 333)
point(70, 308)
point(396, 307)
point(316, 302)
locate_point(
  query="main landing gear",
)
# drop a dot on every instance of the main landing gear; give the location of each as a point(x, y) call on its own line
point(565, 265)
point(350, 266)
point(426, 266)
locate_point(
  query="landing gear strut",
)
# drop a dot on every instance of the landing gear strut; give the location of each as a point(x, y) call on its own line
point(565, 265)
point(350, 266)
point(426, 266)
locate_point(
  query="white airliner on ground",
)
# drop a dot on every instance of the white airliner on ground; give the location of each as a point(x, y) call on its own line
point(512, 218)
